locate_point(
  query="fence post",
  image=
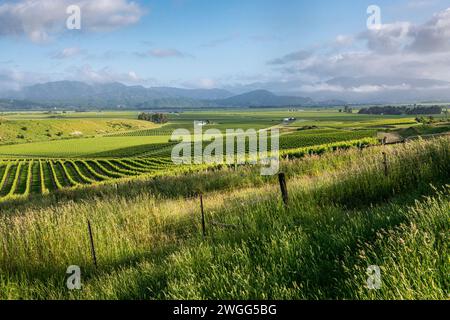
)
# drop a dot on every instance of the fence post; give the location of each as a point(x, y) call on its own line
point(283, 187)
point(94, 257)
point(203, 216)
point(385, 163)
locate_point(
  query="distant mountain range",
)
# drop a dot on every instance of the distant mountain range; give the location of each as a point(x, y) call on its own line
point(381, 90)
point(116, 95)
point(334, 92)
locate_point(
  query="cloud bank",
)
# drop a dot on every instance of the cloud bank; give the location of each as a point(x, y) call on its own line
point(40, 20)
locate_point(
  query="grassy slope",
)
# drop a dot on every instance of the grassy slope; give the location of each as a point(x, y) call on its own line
point(48, 129)
point(337, 224)
point(78, 147)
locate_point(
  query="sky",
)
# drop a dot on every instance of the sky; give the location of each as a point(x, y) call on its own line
point(289, 46)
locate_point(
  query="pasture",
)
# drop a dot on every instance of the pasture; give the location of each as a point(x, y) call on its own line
point(344, 213)
point(352, 203)
point(120, 147)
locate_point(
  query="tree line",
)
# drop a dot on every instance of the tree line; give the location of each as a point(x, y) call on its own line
point(153, 117)
point(390, 110)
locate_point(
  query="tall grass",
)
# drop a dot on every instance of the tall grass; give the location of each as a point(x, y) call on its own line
point(338, 222)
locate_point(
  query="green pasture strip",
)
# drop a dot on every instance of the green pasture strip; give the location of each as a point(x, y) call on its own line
point(162, 151)
point(89, 172)
point(82, 147)
point(134, 151)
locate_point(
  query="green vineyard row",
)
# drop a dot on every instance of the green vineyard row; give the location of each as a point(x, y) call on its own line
point(22, 178)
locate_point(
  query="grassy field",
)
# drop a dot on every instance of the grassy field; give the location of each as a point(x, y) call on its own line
point(69, 163)
point(344, 214)
point(78, 147)
point(348, 209)
point(30, 130)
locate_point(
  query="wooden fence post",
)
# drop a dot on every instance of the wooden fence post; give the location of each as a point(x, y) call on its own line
point(203, 216)
point(283, 187)
point(385, 163)
point(94, 257)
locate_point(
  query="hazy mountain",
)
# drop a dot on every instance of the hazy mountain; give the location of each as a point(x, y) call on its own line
point(263, 98)
point(12, 104)
point(200, 94)
point(331, 103)
point(109, 94)
point(413, 83)
point(112, 95)
point(363, 90)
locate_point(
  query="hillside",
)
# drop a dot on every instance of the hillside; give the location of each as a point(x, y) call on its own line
point(263, 98)
point(23, 131)
point(345, 213)
point(116, 95)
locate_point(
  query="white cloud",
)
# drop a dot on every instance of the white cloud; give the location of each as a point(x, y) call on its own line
point(399, 49)
point(40, 20)
point(434, 36)
point(219, 41)
point(343, 40)
point(163, 53)
point(420, 4)
point(14, 78)
point(88, 74)
point(388, 38)
point(292, 57)
point(67, 53)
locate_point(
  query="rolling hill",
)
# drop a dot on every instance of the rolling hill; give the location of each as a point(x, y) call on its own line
point(116, 95)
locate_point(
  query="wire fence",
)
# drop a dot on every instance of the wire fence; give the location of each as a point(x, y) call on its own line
point(200, 221)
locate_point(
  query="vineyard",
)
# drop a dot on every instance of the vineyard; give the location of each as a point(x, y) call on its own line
point(117, 206)
point(311, 138)
point(44, 167)
point(21, 178)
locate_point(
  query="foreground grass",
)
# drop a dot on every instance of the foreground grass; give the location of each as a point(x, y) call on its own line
point(338, 222)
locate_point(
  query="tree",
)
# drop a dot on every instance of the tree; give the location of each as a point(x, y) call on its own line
point(154, 117)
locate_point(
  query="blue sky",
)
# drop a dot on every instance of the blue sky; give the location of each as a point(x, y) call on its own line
point(198, 43)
